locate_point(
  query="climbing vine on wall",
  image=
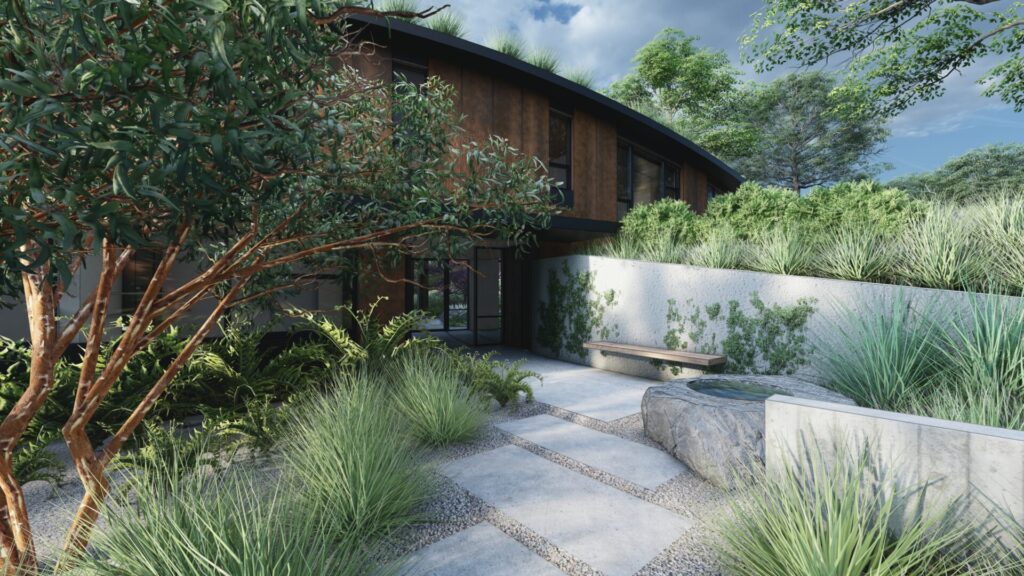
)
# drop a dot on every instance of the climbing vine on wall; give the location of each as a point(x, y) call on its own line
point(573, 312)
point(768, 340)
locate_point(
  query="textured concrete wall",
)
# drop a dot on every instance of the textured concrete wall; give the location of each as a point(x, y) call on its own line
point(643, 290)
point(954, 459)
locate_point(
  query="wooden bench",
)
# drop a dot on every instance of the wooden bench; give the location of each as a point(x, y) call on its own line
point(681, 356)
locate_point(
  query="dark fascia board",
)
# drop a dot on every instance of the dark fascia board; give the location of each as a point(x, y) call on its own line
point(721, 173)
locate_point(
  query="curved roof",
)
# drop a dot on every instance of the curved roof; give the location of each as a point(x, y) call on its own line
point(648, 131)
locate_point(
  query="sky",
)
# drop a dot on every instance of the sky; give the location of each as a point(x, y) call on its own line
point(603, 35)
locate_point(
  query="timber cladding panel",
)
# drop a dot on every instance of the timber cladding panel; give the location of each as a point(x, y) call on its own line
point(495, 106)
point(694, 187)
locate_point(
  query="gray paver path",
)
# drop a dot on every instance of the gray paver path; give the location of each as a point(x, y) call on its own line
point(477, 551)
point(595, 393)
point(639, 464)
point(612, 531)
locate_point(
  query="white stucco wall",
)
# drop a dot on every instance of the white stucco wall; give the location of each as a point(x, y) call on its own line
point(14, 323)
point(643, 290)
point(951, 458)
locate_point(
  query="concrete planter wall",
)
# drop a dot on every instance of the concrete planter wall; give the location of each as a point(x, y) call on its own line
point(643, 290)
point(952, 458)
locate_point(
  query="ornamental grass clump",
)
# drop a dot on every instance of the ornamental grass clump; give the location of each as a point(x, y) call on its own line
point(783, 251)
point(941, 250)
point(854, 252)
point(435, 398)
point(173, 521)
point(352, 461)
point(1000, 228)
point(826, 516)
point(983, 357)
point(722, 248)
point(883, 354)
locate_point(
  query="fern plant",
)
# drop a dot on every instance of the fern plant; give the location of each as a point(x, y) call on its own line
point(236, 368)
point(501, 380)
point(376, 343)
point(34, 461)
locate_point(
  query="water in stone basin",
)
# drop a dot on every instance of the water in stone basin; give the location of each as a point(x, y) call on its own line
point(736, 389)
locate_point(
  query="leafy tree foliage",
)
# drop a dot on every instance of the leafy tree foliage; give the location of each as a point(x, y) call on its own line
point(799, 131)
point(226, 133)
point(811, 134)
point(689, 89)
point(990, 170)
point(900, 51)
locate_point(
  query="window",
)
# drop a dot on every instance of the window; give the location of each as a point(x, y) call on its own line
point(560, 153)
point(712, 191)
point(643, 177)
point(135, 279)
point(408, 71)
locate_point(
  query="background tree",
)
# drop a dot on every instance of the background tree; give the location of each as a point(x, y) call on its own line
point(223, 133)
point(689, 89)
point(810, 135)
point(899, 51)
point(989, 170)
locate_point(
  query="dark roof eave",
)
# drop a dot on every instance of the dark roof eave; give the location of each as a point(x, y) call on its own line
point(479, 51)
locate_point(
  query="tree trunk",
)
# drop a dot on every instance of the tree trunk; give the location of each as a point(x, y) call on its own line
point(19, 549)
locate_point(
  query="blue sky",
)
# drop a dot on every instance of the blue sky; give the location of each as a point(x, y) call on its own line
point(603, 35)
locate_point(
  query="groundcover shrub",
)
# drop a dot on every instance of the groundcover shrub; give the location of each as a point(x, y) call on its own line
point(850, 231)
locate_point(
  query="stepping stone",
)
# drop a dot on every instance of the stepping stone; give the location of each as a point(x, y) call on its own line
point(641, 465)
point(595, 393)
point(479, 550)
point(612, 531)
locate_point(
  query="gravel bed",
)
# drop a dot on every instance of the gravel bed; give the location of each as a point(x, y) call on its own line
point(455, 509)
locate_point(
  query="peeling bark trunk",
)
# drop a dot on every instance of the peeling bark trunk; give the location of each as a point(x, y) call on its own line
point(19, 548)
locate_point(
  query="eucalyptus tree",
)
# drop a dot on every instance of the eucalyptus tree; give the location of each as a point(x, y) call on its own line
point(226, 133)
point(899, 51)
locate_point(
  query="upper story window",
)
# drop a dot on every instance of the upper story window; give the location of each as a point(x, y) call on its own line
point(411, 72)
point(643, 177)
point(712, 191)
point(560, 152)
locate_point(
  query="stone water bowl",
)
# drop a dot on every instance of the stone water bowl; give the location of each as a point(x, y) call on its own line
point(715, 423)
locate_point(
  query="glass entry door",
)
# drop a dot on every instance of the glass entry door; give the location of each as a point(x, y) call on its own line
point(465, 306)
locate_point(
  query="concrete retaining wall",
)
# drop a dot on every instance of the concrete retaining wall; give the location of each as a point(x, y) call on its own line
point(643, 290)
point(954, 459)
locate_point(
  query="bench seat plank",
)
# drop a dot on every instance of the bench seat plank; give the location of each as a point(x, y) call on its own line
point(682, 356)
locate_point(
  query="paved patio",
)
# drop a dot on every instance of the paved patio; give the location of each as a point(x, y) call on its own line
point(608, 529)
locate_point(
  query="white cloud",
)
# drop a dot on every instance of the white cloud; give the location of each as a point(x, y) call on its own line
point(604, 34)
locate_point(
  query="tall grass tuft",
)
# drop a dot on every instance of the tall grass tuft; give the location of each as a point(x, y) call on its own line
point(626, 247)
point(170, 522)
point(720, 249)
point(448, 22)
point(983, 352)
point(783, 251)
point(832, 517)
point(509, 44)
point(855, 253)
point(349, 456)
point(884, 359)
point(544, 59)
point(1001, 231)
point(400, 6)
point(581, 76)
point(433, 395)
point(940, 251)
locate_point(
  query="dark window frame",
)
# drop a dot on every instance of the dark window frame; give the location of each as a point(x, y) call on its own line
point(625, 203)
point(566, 189)
point(401, 68)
